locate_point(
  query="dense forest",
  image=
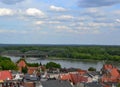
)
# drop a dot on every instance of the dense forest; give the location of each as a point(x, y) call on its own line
point(69, 51)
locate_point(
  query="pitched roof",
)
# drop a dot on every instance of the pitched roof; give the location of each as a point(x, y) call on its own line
point(56, 83)
point(21, 64)
point(5, 75)
point(111, 74)
point(65, 77)
point(75, 78)
point(31, 70)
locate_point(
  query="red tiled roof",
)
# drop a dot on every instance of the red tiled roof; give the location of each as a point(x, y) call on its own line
point(78, 78)
point(107, 66)
point(112, 75)
point(32, 69)
point(82, 72)
point(5, 75)
point(21, 64)
point(65, 77)
point(75, 78)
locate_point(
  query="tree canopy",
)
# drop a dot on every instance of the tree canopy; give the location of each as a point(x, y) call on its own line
point(70, 52)
point(7, 64)
point(52, 65)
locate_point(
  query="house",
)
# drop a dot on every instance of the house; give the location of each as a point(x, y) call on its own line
point(93, 76)
point(28, 77)
point(65, 76)
point(56, 83)
point(29, 84)
point(5, 75)
point(17, 75)
point(110, 73)
point(21, 64)
point(32, 70)
point(82, 72)
point(74, 78)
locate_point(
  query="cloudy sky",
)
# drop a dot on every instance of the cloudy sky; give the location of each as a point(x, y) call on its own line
point(60, 22)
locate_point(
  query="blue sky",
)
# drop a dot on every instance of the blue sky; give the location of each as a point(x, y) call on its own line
point(60, 22)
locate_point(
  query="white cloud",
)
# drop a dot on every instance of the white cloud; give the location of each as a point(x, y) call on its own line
point(93, 10)
point(6, 12)
point(34, 12)
point(94, 25)
point(55, 8)
point(65, 17)
point(39, 22)
point(62, 27)
point(118, 20)
point(54, 22)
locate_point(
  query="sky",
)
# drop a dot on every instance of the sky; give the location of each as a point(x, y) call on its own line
point(86, 22)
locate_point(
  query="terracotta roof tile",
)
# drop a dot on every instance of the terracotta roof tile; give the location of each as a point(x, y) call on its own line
point(5, 75)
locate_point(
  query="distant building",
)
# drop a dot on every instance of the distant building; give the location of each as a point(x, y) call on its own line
point(56, 83)
point(74, 78)
point(5, 75)
point(110, 74)
point(21, 64)
point(32, 70)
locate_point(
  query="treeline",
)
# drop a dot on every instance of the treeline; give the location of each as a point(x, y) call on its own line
point(73, 52)
point(7, 64)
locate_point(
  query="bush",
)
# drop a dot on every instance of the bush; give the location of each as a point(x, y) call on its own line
point(24, 69)
point(52, 65)
point(91, 69)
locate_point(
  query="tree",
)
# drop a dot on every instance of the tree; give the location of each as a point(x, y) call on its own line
point(32, 64)
point(7, 64)
point(53, 65)
point(91, 69)
point(24, 69)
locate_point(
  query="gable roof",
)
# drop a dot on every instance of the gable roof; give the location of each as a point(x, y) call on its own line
point(5, 75)
point(21, 63)
point(111, 74)
point(75, 78)
point(31, 70)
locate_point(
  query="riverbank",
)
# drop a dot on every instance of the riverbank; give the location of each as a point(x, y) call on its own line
point(72, 59)
point(65, 62)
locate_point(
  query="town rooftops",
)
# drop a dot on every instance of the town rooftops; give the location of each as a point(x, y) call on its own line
point(110, 74)
point(74, 78)
point(56, 83)
point(5, 75)
point(32, 70)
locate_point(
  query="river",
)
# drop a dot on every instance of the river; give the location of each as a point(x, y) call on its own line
point(82, 64)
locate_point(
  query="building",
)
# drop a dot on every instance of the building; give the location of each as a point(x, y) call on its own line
point(74, 78)
point(21, 64)
point(56, 83)
point(110, 73)
point(5, 75)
